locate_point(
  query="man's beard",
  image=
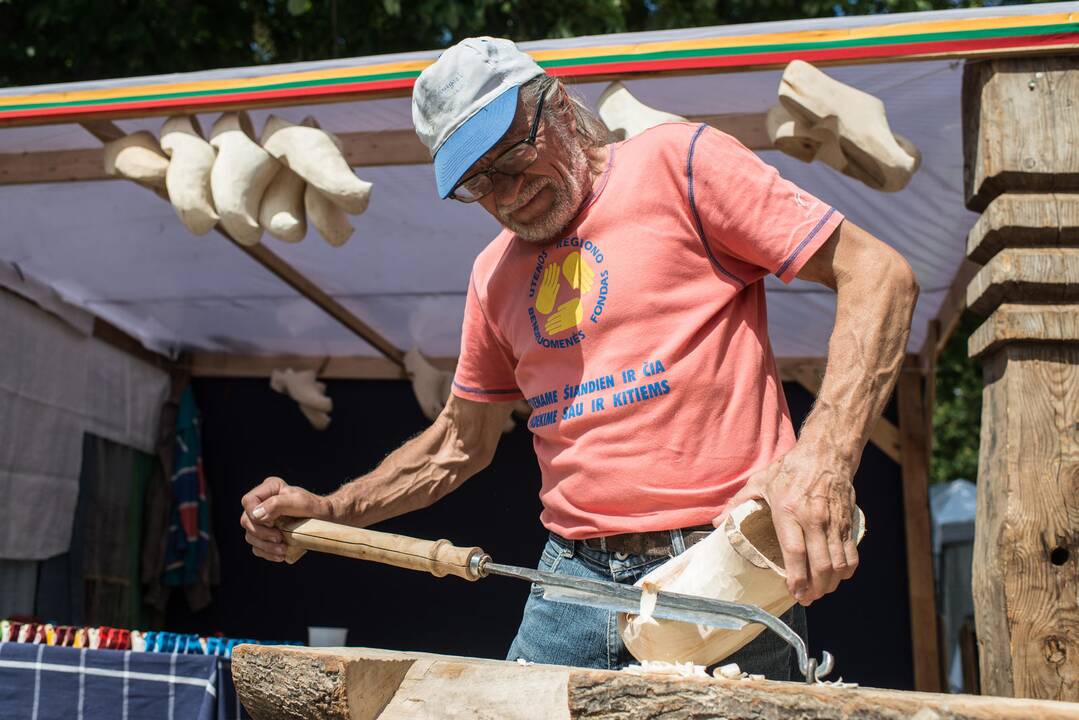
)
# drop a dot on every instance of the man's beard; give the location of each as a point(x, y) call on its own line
point(567, 199)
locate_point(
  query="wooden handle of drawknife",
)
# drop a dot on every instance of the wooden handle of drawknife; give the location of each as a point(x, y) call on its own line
point(437, 557)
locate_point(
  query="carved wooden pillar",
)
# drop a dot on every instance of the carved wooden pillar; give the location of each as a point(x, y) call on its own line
point(1021, 148)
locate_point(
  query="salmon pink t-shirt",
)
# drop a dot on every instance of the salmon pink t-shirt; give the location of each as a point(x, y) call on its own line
point(640, 336)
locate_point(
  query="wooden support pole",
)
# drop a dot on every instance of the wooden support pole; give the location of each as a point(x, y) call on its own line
point(914, 450)
point(1021, 147)
point(303, 285)
point(105, 130)
point(275, 683)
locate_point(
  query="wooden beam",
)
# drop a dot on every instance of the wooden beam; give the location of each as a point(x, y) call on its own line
point(299, 683)
point(361, 149)
point(106, 131)
point(112, 335)
point(52, 166)
point(790, 367)
point(301, 284)
point(921, 591)
point(930, 371)
point(884, 434)
point(349, 367)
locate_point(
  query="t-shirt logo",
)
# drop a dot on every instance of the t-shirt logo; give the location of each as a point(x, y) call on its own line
point(567, 291)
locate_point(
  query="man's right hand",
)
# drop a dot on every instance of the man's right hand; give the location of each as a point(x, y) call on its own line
point(270, 500)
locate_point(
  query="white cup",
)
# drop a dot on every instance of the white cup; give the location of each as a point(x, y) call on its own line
point(319, 636)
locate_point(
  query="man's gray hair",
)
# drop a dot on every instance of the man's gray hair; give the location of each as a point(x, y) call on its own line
point(591, 132)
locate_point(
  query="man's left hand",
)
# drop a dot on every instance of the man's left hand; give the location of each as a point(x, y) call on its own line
point(812, 503)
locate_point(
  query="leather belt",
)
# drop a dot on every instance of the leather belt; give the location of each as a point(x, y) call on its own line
point(647, 544)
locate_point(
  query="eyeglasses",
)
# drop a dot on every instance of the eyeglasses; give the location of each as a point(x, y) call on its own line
point(514, 161)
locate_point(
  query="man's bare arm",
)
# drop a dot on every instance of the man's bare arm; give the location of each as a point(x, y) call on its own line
point(457, 445)
point(810, 488)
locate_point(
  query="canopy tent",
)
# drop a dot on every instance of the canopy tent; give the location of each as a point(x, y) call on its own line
point(110, 248)
point(115, 250)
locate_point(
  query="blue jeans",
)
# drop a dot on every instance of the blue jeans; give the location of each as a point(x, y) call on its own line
point(562, 634)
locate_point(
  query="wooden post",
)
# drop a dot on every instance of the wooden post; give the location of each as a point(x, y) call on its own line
point(914, 461)
point(1021, 147)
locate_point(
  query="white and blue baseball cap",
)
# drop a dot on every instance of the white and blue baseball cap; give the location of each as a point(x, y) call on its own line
point(463, 104)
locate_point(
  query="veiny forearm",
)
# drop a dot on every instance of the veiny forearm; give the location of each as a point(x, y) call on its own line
point(865, 353)
point(460, 443)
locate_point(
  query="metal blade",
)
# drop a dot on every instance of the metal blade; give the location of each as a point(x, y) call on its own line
point(627, 598)
point(671, 606)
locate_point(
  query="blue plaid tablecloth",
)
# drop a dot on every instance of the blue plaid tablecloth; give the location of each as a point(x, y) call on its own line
point(40, 682)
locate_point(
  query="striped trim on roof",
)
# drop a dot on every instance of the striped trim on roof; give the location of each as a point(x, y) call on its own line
point(880, 42)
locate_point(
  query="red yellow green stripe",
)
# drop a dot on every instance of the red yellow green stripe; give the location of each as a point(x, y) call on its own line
point(953, 37)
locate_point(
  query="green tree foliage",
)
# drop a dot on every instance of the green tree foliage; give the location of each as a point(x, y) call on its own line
point(957, 414)
point(48, 41)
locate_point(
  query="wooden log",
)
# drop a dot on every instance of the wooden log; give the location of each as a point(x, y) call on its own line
point(1019, 128)
point(1049, 275)
point(275, 683)
point(621, 696)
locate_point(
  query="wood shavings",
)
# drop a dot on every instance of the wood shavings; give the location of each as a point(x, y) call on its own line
point(524, 663)
point(838, 684)
point(754, 676)
point(658, 667)
point(648, 603)
point(731, 671)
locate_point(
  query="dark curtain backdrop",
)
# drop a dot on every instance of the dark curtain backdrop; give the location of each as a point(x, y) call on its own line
point(250, 432)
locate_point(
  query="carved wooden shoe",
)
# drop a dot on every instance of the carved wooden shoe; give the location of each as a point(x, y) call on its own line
point(281, 212)
point(430, 385)
point(307, 391)
point(137, 157)
point(314, 155)
point(191, 160)
point(240, 176)
point(330, 221)
point(740, 562)
point(794, 136)
point(626, 116)
point(872, 153)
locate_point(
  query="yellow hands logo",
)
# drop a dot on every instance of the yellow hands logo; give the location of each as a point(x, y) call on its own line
point(578, 273)
point(567, 316)
point(579, 276)
point(548, 289)
point(556, 313)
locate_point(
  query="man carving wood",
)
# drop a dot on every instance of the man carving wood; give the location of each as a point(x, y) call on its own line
point(624, 299)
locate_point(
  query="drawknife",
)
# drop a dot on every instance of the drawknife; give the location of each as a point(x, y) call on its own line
point(441, 558)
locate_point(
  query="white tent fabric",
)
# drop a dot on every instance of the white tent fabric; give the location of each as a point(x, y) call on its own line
point(56, 384)
point(112, 248)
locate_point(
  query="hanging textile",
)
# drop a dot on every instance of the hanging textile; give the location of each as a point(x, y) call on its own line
point(189, 524)
point(57, 383)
